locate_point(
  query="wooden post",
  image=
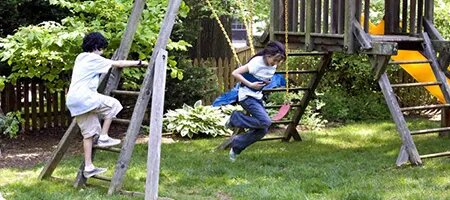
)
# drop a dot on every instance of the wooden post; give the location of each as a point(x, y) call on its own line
point(349, 41)
point(429, 10)
point(309, 23)
point(154, 141)
point(143, 99)
point(73, 129)
point(408, 149)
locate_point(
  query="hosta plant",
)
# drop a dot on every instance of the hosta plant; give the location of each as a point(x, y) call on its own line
point(196, 121)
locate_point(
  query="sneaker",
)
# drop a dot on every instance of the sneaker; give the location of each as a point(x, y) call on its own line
point(95, 171)
point(108, 142)
point(233, 155)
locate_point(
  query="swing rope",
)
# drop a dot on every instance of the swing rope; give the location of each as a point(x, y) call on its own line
point(286, 44)
point(224, 32)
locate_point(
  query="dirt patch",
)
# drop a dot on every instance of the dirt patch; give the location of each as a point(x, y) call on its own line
point(27, 150)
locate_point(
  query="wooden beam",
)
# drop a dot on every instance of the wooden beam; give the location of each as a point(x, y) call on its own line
point(154, 141)
point(143, 99)
point(362, 37)
point(408, 150)
point(309, 24)
point(349, 42)
point(429, 10)
point(379, 64)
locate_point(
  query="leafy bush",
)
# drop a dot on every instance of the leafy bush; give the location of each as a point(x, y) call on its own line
point(341, 105)
point(196, 121)
point(48, 50)
point(10, 124)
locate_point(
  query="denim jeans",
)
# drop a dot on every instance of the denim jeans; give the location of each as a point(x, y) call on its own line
point(258, 122)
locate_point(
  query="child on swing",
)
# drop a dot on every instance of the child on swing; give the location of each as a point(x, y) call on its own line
point(86, 104)
point(253, 77)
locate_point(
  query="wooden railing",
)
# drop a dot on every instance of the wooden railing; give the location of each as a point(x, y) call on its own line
point(40, 108)
point(336, 18)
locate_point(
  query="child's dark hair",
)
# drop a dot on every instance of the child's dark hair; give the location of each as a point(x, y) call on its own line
point(273, 48)
point(94, 41)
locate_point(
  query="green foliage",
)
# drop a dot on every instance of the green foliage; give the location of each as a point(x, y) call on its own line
point(10, 124)
point(341, 105)
point(196, 121)
point(48, 50)
point(196, 83)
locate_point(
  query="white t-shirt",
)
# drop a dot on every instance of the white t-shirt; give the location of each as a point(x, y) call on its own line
point(83, 96)
point(258, 68)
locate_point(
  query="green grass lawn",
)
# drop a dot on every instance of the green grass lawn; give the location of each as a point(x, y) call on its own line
point(353, 161)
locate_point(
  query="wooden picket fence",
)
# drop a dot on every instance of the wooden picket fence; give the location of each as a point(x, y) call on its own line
point(40, 107)
point(222, 68)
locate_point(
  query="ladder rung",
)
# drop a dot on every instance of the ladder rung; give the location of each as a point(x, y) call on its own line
point(125, 92)
point(282, 122)
point(279, 106)
point(103, 178)
point(433, 130)
point(298, 72)
point(284, 89)
point(273, 138)
point(306, 53)
point(404, 85)
point(111, 149)
point(435, 155)
point(121, 121)
point(424, 107)
point(405, 62)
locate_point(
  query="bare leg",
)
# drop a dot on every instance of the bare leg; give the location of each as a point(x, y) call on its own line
point(105, 127)
point(87, 145)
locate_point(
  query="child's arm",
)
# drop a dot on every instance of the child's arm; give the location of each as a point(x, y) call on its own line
point(128, 63)
point(237, 73)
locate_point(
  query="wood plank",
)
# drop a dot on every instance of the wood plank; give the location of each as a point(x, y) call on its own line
point(435, 155)
point(412, 17)
point(154, 141)
point(349, 42)
point(325, 17)
point(366, 15)
point(26, 105)
point(302, 15)
point(48, 111)
point(62, 109)
point(42, 118)
point(419, 15)
point(55, 109)
point(318, 14)
point(399, 120)
point(59, 152)
point(404, 15)
point(431, 130)
point(143, 99)
point(405, 85)
point(308, 24)
point(429, 10)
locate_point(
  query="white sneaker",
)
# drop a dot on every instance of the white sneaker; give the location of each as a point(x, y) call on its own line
point(233, 155)
point(107, 142)
point(95, 171)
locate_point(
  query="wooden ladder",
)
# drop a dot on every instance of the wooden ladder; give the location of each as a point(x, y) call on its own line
point(408, 150)
point(298, 108)
point(158, 59)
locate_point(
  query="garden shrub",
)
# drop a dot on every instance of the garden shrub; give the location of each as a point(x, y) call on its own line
point(196, 121)
point(10, 124)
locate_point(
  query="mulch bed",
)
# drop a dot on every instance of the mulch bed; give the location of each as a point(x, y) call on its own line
point(27, 150)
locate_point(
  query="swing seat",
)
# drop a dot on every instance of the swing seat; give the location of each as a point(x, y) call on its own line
point(282, 112)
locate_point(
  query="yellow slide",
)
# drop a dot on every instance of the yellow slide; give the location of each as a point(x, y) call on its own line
point(420, 72)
